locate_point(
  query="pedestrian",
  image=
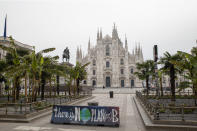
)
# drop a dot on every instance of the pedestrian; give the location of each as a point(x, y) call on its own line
point(103, 87)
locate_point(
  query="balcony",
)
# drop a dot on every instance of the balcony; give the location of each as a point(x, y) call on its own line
point(108, 69)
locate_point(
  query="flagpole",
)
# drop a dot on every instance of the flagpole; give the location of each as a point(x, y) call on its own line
point(5, 28)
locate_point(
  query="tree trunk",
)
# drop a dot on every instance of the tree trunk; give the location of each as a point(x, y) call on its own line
point(36, 89)
point(69, 90)
point(195, 94)
point(8, 95)
point(33, 88)
point(77, 86)
point(50, 88)
point(25, 87)
point(14, 91)
point(195, 97)
point(58, 84)
point(172, 82)
point(0, 89)
point(74, 90)
point(69, 86)
point(43, 82)
point(147, 85)
point(39, 88)
point(30, 87)
point(17, 88)
point(35, 96)
point(161, 86)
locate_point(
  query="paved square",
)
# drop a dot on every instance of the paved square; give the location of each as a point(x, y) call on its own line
point(129, 118)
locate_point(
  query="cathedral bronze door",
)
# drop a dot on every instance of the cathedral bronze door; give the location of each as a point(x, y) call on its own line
point(132, 83)
point(108, 84)
point(122, 83)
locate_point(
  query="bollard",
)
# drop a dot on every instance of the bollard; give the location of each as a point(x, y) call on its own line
point(53, 100)
point(6, 110)
point(30, 108)
point(21, 107)
point(182, 112)
point(157, 117)
point(111, 94)
point(25, 107)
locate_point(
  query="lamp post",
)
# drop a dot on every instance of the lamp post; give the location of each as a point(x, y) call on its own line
point(155, 55)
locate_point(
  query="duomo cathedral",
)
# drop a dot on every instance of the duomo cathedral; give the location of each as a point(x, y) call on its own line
point(111, 64)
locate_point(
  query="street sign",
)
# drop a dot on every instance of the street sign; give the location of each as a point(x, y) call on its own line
point(86, 115)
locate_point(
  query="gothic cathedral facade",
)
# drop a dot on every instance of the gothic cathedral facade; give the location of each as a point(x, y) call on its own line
point(111, 64)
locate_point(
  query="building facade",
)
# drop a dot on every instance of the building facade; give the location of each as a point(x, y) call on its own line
point(111, 64)
point(5, 41)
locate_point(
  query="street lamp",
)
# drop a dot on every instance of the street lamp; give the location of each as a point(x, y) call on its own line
point(155, 55)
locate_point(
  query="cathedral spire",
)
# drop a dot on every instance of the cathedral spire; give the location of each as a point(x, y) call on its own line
point(136, 52)
point(126, 46)
point(101, 37)
point(141, 54)
point(89, 45)
point(114, 25)
point(5, 28)
point(80, 52)
point(77, 54)
point(114, 32)
point(98, 35)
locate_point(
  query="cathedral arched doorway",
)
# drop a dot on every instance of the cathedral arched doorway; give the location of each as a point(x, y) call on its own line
point(108, 81)
point(93, 83)
point(122, 83)
point(132, 83)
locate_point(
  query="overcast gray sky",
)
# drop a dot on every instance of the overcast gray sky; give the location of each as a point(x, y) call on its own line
point(172, 24)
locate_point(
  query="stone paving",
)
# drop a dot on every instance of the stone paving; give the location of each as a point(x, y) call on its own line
point(129, 117)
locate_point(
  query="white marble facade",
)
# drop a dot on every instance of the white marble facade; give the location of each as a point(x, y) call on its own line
point(111, 64)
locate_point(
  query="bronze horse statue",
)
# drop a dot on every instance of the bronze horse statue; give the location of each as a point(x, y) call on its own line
point(66, 55)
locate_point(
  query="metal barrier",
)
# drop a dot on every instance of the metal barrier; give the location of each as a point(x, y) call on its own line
point(22, 107)
point(161, 111)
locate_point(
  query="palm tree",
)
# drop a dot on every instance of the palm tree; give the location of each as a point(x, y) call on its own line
point(50, 67)
point(170, 69)
point(21, 71)
point(13, 61)
point(81, 74)
point(37, 68)
point(188, 64)
point(69, 79)
point(145, 70)
point(77, 74)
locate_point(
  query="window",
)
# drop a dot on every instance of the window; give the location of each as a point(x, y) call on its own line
point(131, 70)
point(94, 62)
point(122, 71)
point(94, 72)
point(107, 50)
point(107, 64)
point(121, 61)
